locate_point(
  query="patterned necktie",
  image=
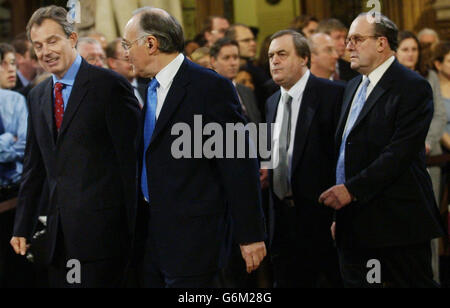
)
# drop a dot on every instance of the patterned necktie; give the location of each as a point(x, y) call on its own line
point(59, 105)
point(149, 128)
point(281, 173)
point(353, 116)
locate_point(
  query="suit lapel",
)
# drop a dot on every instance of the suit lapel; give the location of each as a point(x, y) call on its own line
point(308, 109)
point(47, 108)
point(77, 95)
point(175, 96)
point(382, 86)
point(272, 107)
point(346, 106)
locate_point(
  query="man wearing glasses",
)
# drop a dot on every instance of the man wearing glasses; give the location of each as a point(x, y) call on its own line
point(386, 213)
point(118, 62)
point(215, 29)
point(91, 50)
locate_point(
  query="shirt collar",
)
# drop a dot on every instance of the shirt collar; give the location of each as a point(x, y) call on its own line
point(297, 90)
point(168, 73)
point(134, 83)
point(69, 77)
point(22, 78)
point(378, 73)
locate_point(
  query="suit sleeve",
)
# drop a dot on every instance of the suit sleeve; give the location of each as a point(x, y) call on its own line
point(122, 118)
point(33, 178)
point(412, 121)
point(240, 177)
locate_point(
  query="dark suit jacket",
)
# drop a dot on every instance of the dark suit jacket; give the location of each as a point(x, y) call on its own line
point(313, 166)
point(345, 71)
point(90, 166)
point(191, 200)
point(250, 103)
point(385, 164)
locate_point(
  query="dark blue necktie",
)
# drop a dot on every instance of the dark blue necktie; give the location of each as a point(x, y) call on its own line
point(149, 128)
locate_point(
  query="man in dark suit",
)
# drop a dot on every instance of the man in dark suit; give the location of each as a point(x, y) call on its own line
point(188, 205)
point(82, 130)
point(225, 61)
point(386, 212)
point(305, 113)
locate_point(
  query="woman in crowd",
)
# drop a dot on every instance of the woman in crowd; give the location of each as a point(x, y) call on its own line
point(409, 54)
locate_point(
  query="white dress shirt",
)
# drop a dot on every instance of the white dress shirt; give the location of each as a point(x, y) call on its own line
point(135, 85)
point(296, 92)
point(165, 78)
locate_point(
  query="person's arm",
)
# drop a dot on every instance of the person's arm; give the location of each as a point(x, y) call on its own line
point(12, 144)
point(122, 118)
point(33, 178)
point(240, 178)
point(412, 122)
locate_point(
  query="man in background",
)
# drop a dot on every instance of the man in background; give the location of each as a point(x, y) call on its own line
point(323, 56)
point(91, 51)
point(118, 62)
point(215, 29)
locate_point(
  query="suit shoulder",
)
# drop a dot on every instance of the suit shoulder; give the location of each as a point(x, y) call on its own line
point(103, 75)
point(203, 75)
point(330, 85)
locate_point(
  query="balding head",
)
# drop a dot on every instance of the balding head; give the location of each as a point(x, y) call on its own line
point(323, 55)
point(91, 50)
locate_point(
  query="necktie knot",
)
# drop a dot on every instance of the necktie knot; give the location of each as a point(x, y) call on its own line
point(287, 99)
point(154, 84)
point(59, 87)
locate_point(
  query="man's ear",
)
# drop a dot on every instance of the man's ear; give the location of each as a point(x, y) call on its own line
point(151, 44)
point(110, 63)
point(74, 38)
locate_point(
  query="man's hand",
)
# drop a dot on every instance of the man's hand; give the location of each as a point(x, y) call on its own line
point(333, 231)
point(253, 255)
point(264, 178)
point(20, 245)
point(427, 149)
point(336, 197)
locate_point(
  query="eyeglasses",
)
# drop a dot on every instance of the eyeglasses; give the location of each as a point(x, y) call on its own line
point(219, 31)
point(357, 40)
point(127, 45)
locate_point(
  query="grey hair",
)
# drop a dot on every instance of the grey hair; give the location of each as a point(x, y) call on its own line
point(163, 26)
point(300, 43)
point(428, 31)
point(385, 27)
point(88, 41)
point(52, 12)
point(311, 41)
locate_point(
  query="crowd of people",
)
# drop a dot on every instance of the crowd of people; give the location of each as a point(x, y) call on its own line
point(86, 140)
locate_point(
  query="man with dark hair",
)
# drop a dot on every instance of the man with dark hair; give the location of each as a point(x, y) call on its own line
point(8, 67)
point(26, 67)
point(215, 29)
point(82, 128)
point(386, 211)
point(338, 32)
point(118, 62)
point(225, 61)
point(188, 205)
point(247, 49)
point(305, 24)
point(305, 110)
